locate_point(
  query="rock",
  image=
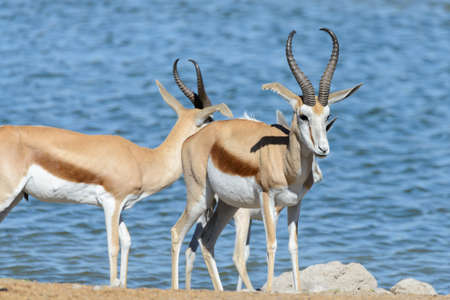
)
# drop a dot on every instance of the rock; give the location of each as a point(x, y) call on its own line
point(283, 283)
point(352, 277)
point(413, 286)
point(332, 277)
point(381, 291)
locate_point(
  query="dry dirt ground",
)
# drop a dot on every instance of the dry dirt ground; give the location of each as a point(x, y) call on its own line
point(23, 289)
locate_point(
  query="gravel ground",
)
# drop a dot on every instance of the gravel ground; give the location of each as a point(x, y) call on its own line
point(23, 289)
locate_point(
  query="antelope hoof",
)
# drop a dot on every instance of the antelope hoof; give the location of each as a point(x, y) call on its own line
point(115, 283)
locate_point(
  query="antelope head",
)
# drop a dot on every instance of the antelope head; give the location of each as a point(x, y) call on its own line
point(199, 99)
point(192, 119)
point(311, 113)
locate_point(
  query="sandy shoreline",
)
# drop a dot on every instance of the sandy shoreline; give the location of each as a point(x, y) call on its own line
point(23, 289)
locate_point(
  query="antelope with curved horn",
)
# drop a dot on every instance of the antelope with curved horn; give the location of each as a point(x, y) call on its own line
point(242, 222)
point(250, 164)
point(58, 165)
point(242, 219)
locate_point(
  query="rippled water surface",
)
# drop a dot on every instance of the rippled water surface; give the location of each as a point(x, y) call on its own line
point(90, 66)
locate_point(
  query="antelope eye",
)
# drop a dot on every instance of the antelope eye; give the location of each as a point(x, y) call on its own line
point(304, 118)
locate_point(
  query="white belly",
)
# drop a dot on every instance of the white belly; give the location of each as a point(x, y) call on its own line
point(46, 187)
point(234, 190)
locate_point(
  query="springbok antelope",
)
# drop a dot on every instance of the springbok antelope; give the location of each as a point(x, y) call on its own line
point(250, 164)
point(58, 165)
point(242, 221)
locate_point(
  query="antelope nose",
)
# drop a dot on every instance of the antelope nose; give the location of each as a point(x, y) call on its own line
point(324, 149)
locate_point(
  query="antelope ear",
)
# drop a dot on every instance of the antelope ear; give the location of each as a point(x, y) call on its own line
point(170, 100)
point(341, 95)
point(281, 120)
point(330, 124)
point(284, 92)
point(208, 111)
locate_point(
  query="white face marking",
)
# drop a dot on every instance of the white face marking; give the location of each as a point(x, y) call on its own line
point(46, 187)
point(234, 190)
point(317, 124)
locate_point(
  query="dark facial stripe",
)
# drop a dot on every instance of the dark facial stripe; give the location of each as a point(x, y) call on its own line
point(310, 134)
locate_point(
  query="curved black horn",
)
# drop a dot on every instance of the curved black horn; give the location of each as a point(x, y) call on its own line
point(186, 91)
point(303, 81)
point(325, 81)
point(200, 86)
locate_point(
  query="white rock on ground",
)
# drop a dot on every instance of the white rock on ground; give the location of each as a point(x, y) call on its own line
point(76, 286)
point(333, 276)
point(413, 286)
point(379, 290)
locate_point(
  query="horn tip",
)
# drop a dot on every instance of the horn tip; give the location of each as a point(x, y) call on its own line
point(175, 63)
point(357, 87)
point(192, 61)
point(329, 31)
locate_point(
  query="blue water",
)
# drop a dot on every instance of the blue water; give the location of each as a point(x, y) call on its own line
point(90, 66)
